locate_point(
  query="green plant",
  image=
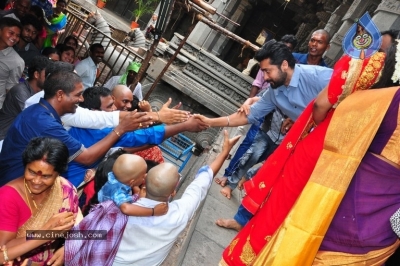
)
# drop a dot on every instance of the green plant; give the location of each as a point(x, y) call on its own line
point(144, 7)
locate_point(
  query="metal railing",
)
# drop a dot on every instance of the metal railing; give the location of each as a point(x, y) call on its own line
point(117, 56)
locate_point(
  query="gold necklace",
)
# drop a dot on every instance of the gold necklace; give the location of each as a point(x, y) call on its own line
point(26, 195)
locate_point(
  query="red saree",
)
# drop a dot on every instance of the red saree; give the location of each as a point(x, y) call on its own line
point(273, 191)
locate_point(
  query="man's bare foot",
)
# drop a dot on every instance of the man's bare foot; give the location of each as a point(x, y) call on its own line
point(221, 181)
point(226, 191)
point(241, 182)
point(229, 224)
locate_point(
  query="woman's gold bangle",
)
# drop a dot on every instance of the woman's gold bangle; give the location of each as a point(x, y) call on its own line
point(5, 255)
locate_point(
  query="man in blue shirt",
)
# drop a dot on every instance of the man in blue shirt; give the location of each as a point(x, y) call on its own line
point(99, 98)
point(293, 86)
point(318, 44)
point(63, 92)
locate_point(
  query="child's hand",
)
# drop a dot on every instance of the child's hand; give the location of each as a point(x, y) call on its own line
point(144, 106)
point(142, 192)
point(136, 190)
point(160, 209)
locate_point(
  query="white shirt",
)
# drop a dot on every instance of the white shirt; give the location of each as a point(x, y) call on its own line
point(83, 118)
point(87, 70)
point(148, 240)
point(113, 81)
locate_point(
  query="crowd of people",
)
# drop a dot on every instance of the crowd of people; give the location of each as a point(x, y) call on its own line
point(76, 157)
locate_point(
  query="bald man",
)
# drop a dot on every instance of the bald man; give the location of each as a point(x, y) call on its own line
point(123, 97)
point(162, 231)
point(317, 45)
point(129, 171)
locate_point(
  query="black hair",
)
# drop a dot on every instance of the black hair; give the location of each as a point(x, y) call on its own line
point(60, 80)
point(48, 51)
point(289, 38)
point(61, 1)
point(38, 63)
point(94, 46)
point(30, 19)
point(63, 48)
point(394, 34)
point(51, 150)
point(38, 11)
point(276, 52)
point(135, 104)
point(59, 66)
point(101, 177)
point(71, 37)
point(92, 97)
point(151, 164)
point(9, 22)
point(254, 70)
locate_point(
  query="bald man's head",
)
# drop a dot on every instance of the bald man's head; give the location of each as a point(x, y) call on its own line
point(123, 97)
point(161, 181)
point(130, 169)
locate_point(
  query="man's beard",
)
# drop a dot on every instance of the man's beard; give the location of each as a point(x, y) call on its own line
point(279, 82)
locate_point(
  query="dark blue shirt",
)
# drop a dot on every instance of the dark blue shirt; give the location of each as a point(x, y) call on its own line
point(302, 59)
point(137, 138)
point(37, 120)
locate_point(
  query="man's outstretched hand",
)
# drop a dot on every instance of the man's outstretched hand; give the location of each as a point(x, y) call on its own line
point(229, 143)
point(196, 125)
point(172, 115)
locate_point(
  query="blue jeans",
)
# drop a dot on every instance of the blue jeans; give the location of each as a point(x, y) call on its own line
point(244, 146)
point(262, 147)
point(242, 216)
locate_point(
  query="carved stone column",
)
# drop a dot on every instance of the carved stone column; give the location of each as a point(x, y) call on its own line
point(387, 15)
point(211, 40)
point(356, 10)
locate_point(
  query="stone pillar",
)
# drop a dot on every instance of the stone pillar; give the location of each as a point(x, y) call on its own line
point(335, 20)
point(387, 15)
point(356, 10)
point(211, 40)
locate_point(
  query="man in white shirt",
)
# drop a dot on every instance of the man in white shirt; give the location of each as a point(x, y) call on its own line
point(87, 68)
point(148, 240)
point(128, 78)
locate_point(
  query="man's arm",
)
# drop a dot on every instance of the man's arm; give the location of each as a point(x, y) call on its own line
point(233, 120)
point(253, 91)
point(197, 190)
point(130, 122)
point(85, 118)
point(260, 107)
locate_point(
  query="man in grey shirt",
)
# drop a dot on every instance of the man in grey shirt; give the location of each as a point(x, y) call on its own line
point(11, 64)
point(16, 97)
